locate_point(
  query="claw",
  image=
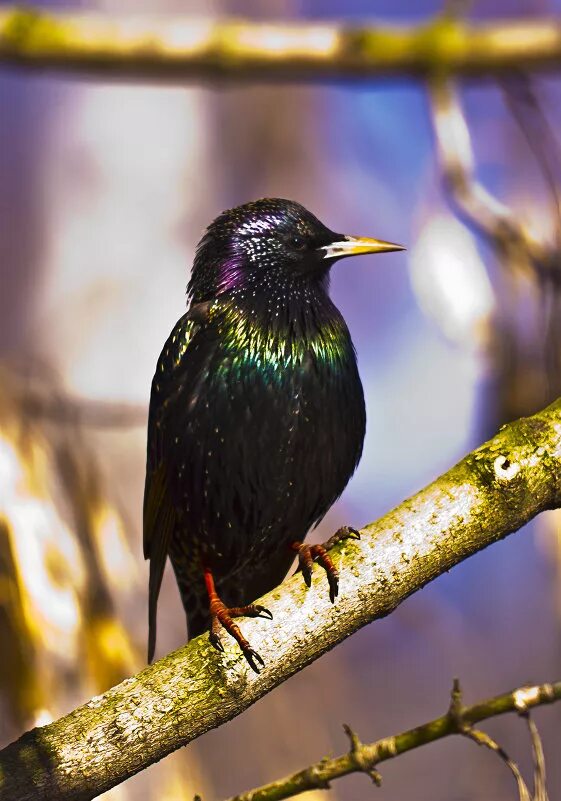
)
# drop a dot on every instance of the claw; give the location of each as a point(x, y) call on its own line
point(344, 533)
point(216, 642)
point(250, 655)
point(264, 612)
point(305, 561)
point(223, 617)
point(333, 586)
point(308, 554)
point(252, 610)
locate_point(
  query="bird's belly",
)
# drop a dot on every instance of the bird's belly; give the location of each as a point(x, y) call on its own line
point(264, 457)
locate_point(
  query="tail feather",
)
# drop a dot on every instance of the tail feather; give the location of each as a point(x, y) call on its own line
point(154, 584)
point(158, 555)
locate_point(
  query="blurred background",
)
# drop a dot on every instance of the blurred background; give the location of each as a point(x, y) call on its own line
point(105, 189)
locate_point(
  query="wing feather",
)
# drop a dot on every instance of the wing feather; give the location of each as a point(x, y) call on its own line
point(159, 514)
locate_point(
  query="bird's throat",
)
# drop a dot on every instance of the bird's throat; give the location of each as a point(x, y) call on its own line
point(282, 334)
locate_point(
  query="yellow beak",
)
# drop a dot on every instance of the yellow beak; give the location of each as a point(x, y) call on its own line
point(356, 246)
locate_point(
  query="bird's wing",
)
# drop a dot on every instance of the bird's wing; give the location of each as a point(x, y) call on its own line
point(159, 509)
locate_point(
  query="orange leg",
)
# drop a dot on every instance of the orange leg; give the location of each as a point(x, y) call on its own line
point(222, 616)
point(308, 554)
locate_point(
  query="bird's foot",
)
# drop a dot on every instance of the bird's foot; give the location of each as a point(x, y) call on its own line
point(223, 617)
point(308, 554)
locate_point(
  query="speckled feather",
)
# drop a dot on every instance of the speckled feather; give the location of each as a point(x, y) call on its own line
point(257, 414)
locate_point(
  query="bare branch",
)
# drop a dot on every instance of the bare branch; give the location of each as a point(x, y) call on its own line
point(466, 728)
point(67, 409)
point(520, 254)
point(38, 395)
point(363, 758)
point(187, 47)
point(453, 143)
point(474, 203)
point(462, 725)
point(527, 110)
point(540, 790)
point(490, 493)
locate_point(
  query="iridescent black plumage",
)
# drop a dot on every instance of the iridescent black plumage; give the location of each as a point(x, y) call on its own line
point(257, 414)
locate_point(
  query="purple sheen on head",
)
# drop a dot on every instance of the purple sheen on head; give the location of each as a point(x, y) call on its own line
point(230, 271)
point(250, 249)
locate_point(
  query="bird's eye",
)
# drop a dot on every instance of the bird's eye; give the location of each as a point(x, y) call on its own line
point(298, 242)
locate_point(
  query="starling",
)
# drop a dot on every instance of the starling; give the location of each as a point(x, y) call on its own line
point(256, 419)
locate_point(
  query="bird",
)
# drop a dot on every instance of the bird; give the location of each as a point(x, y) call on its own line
point(256, 419)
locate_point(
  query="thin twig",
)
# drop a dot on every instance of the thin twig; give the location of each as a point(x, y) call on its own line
point(527, 110)
point(540, 789)
point(474, 202)
point(365, 757)
point(466, 728)
point(66, 409)
point(521, 255)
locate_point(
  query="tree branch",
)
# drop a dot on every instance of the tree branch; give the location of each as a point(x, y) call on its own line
point(364, 758)
point(455, 154)
point(489, 494)
point(481, 210)
point(186, 47)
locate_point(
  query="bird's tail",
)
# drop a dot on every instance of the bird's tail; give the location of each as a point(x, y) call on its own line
point(157, 564)
point(159, 523)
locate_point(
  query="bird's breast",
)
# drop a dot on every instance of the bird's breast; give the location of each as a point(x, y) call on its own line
point(273, 435)
point(283, 341)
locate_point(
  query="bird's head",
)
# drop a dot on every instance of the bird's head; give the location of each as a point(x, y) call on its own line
point(270, 244)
